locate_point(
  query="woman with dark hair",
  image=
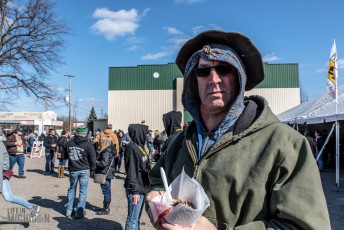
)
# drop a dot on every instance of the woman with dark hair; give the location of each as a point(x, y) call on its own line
point(61, 143)
point(118, 160)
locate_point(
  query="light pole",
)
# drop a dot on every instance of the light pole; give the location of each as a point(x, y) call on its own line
point(70, 102)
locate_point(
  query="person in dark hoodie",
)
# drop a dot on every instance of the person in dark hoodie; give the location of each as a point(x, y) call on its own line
point(81, 157)
point(137, 167)
point(105, 165)
point(172, 123)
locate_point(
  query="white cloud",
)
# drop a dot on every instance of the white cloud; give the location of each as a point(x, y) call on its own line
point(340, 63)
point(321, 70)
point(189, 1)
point(270, 58)
point(174, 31)
point(87, 100)
point(113, 24)
point(134, 47)
point(154, 56)
point(198, 29)
point(145, 12)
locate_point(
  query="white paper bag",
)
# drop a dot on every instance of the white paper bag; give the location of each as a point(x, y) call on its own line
point(185, 188)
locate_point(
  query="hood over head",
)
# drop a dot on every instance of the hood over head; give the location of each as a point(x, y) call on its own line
point(172, 121)
point(138, 133)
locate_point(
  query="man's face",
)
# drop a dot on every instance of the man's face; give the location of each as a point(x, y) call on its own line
point(219, 88)
point(52, 132)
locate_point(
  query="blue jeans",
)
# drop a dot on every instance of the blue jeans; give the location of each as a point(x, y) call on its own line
point(62, 162)
point(74, 176)
point(118, 161)
point(106, 190)
point(9, 197)
point(20, 160)
point(49, 161)
point(134, 212)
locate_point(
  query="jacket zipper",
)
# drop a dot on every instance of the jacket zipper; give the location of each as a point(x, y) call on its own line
point(195, 160)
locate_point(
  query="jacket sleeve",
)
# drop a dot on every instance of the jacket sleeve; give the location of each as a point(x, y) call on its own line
point(47, 142)
point(104, 161)
point(92, 156)
point(297, 199)
point(10, 141)
point(155, 181)
point(132, 168)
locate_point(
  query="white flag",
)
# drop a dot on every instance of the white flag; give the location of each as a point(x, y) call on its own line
point(332, 76)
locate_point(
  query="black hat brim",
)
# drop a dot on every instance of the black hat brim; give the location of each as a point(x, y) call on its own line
point(243, 46)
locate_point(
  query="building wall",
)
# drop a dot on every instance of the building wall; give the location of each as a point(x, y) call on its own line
point(279, 99)
point(137, 93)
point(128, 107)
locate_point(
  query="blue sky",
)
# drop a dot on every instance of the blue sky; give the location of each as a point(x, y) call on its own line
point(106, 33)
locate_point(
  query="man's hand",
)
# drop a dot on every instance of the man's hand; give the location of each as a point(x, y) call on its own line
point(202, 223)
point(136, 199)
point(153, 194)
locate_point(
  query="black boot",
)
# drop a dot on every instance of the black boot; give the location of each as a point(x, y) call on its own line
point(105, 210)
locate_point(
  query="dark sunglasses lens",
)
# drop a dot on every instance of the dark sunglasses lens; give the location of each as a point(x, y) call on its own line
point(202, 72)
point(223, 70)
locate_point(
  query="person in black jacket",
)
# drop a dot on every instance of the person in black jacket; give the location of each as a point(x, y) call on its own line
point(50, 144)
point(61, 143)
point(172, 123)
point(105, 165)
point(137, 167)
point(81, 157)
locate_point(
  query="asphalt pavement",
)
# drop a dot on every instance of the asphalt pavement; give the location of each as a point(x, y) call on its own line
point(49, 192)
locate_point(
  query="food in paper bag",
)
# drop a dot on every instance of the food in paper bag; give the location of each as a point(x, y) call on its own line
point(190, 201)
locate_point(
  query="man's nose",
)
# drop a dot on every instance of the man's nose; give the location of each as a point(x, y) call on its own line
point(214, 78)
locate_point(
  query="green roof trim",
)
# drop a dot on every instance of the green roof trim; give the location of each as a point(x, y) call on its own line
point(162, 77)
point(144, 77)
point(280, 76)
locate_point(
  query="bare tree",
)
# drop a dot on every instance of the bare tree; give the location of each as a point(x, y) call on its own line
point(31, 41)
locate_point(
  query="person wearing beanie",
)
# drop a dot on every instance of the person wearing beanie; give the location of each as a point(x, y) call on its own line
point(81, 157)
point(257, 172)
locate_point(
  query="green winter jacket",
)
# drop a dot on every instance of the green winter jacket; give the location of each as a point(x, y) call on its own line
point(262, 177)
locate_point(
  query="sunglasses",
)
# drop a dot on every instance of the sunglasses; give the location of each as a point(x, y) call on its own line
point(221, 70)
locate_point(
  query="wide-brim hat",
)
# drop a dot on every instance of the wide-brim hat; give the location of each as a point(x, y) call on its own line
point(243, 46)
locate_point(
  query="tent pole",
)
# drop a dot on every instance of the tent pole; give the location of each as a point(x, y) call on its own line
point(337, 154)
point(325, 143)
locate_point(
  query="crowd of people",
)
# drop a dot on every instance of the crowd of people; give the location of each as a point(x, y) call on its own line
point(257, 172)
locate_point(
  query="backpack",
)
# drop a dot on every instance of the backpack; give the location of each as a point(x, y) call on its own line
point(105, 141)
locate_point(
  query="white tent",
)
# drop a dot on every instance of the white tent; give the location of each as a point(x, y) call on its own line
point(318, 110)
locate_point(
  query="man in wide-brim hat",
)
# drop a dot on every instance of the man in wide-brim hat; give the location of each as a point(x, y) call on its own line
point(257, 172)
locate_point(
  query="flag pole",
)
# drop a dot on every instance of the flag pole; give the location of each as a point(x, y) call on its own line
point(337, 122)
